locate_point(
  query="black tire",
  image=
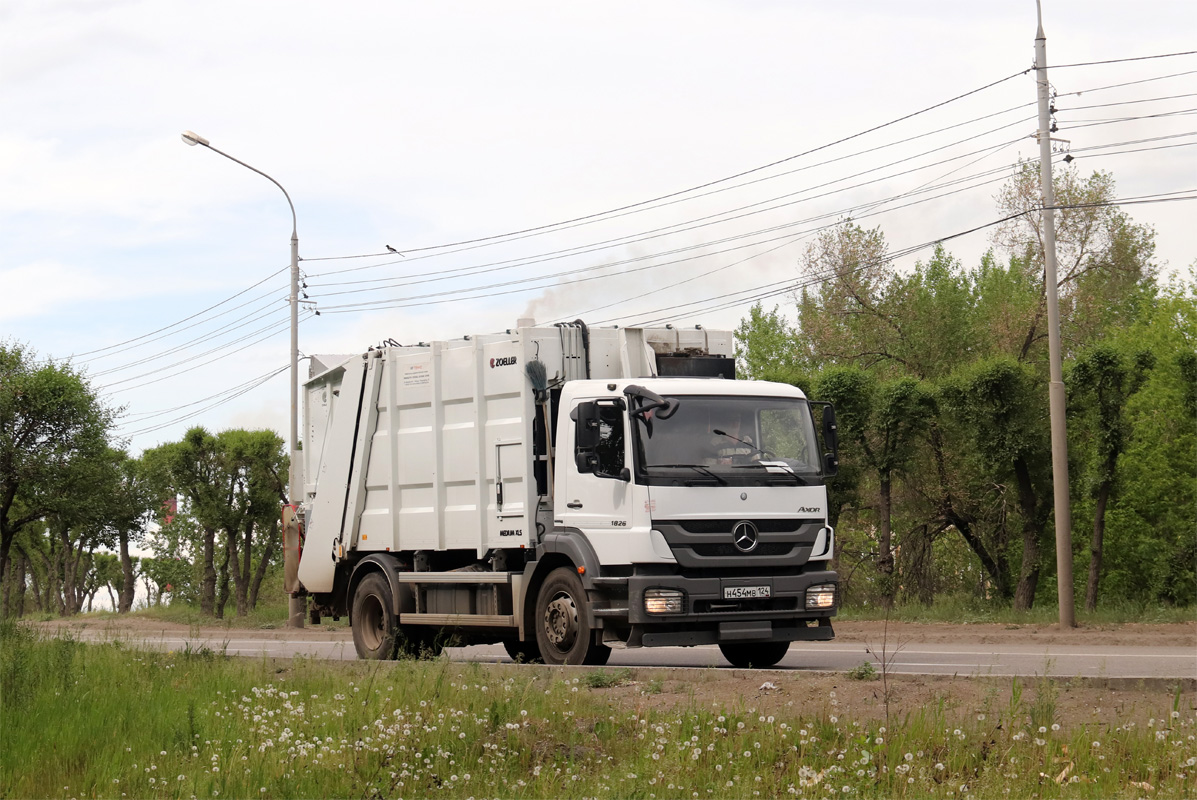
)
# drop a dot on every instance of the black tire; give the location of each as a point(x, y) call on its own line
point(563, 633)
point(756, 655)
point(522, 652)
point(375, 628)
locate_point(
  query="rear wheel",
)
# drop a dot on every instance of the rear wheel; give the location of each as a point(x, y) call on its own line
point(563, 634)
point(374, 624)
point(759, 655)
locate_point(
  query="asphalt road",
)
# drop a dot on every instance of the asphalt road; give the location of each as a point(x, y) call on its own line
point(963, 659)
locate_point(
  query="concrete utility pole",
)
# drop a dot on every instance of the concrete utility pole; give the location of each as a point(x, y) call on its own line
point(296, 606)
point(1056, 385)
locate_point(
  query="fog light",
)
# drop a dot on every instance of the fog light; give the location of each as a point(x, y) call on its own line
point(821, 596)
point(664, 601)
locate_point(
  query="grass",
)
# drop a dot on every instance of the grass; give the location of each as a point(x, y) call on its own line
point(971, 611)
point(109, 721)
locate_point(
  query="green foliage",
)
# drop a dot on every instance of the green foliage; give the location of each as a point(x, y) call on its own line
point(54, 460)
point(940, 380)
point(767, 348)
point(865, 671)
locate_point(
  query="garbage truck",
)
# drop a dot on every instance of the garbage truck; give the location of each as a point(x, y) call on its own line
point(565, 490)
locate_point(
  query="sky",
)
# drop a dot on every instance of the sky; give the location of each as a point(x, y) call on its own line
point(623, 163)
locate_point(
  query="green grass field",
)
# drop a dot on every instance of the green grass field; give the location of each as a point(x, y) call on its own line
point(109, 721)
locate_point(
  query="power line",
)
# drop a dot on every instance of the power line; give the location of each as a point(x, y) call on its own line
point(191, 366)
point(180, 322)
point(695, 224)
point(709, 183)
point(217, 404)
point(428, 299)
point(1122, 60)
point(141, 416)
point(237, 324)
point(790, 284)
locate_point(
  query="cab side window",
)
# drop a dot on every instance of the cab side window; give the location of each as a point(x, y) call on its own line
point(610, 447)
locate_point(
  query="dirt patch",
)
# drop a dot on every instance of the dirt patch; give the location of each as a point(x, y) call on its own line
point(983, 700)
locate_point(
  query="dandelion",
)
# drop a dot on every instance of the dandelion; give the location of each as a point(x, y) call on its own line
point(1055, 726)
point(909, 756)
point(939, 767)
point(1041, 729)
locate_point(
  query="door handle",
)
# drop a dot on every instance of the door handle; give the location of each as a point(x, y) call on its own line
point(574, 504)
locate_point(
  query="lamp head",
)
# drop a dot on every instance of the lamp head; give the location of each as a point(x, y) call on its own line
point(192, 138)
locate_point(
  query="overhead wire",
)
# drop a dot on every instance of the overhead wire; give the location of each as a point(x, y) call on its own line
point(245, 321)
point(217, 404)
point(191, 358)
point(193, 366)
point(715, 182)
point(680, 227)
point(179, 322)
point(771, 289)
point(141, 416)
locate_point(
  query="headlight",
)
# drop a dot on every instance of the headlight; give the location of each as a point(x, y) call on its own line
point(664, 601)
point(821, 596)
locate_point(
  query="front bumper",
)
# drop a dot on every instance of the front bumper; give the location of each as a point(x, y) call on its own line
point(708, 618)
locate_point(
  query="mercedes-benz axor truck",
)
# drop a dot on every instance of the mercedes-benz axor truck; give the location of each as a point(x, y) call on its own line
point(565, 490)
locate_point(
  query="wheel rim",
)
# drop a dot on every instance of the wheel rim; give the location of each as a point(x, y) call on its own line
point(373, 623)
point(561, 622)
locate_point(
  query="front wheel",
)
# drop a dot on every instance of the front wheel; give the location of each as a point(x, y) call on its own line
point(522, 652)
point(756, 655)
point(563, 633)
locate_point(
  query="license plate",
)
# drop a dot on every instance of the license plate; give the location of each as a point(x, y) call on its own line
point(746, 592)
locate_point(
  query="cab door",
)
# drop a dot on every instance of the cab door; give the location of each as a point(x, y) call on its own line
point(596, 493)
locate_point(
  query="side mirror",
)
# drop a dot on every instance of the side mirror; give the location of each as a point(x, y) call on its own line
point(831, 439)
point(830, 430)
point(651, 401)
point(586, 436)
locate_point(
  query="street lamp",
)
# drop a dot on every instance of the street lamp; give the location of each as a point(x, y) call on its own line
point(294, 475)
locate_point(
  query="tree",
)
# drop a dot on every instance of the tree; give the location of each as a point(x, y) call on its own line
point(841, 319)
point(999, 402)
point(1104, 268)
point(767, 348)
point(50, 421)
point(232, 485)
point(879, 421)
point(1102, 381)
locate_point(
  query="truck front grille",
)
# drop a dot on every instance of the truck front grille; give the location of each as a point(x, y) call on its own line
point(767, 549)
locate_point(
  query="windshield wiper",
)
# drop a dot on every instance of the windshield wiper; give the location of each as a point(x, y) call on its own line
point(696, 467)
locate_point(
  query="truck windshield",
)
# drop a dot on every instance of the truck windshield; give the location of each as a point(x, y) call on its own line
point(712, 439)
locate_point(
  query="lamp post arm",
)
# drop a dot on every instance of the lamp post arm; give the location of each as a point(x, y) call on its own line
point(294, 226)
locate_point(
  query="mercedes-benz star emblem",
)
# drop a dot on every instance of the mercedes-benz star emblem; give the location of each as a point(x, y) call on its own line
point(745, 536)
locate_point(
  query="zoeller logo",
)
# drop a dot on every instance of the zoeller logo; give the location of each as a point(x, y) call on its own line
point(806, 510)
point(506, 361)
